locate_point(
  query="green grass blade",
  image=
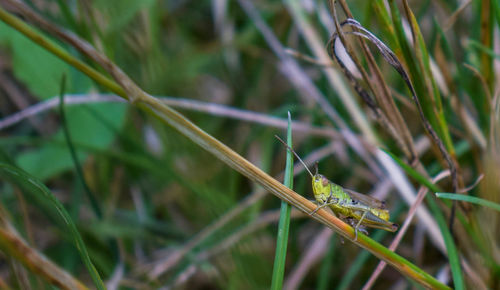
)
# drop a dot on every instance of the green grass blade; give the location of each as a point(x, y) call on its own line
point(415, 73)
point(424, 60)
point(496, 8)
point(468, 198)
point(383, 17)
point(44, 198)
point(67, 136)
point(484, 49)
point(284, 222)
point(454, 260)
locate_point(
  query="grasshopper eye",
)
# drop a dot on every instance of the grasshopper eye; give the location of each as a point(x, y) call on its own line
point(324, 181)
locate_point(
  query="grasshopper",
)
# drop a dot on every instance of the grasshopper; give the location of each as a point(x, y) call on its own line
point(356, 209)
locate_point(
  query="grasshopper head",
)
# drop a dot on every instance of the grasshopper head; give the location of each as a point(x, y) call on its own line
point(321, 189)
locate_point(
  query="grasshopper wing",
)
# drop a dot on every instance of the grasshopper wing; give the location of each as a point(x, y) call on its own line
point(366, 199)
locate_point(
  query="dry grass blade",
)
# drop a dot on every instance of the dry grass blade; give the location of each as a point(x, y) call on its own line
point(13, 245)
point(483, 82)
point(487, 39)
point(453, 18)
point(192, 105)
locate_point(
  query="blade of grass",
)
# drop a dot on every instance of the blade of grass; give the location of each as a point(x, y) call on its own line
point(451, 248)
point(483, 49)
point(486, 38)
point(90, 195)
point(423, 61)
point(187, 104)
point(284, 223)
point(410, 61)
point(44, 198)
point(14, 245)
point(496, 7)
point(468, 198)
point(381, 13)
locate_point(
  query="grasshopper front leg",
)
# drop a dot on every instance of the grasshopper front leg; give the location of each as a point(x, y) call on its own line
point(330, 200)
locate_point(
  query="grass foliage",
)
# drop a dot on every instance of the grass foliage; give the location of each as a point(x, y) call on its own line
point(397, 99)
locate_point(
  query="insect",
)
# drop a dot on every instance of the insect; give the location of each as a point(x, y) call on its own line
point(356, 209)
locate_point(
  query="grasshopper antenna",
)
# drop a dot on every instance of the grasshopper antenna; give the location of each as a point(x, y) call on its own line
point(316, 167)
point(296, 155)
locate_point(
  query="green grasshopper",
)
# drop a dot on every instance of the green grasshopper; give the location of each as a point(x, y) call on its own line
point(356, 209)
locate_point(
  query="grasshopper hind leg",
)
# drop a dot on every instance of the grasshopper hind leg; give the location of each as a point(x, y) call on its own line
point(358, 226)
point(353, 223)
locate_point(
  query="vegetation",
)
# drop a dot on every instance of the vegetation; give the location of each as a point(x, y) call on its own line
point(399, 100)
